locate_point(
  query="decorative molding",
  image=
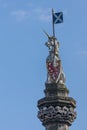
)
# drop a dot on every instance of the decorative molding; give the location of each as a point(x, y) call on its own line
point(57, 100)
point(57, 114)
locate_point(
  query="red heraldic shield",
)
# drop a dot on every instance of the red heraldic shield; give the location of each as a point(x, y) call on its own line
point(53, 70)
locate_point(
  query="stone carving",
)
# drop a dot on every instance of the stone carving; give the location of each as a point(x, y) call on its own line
point(60, 114)
point(55, 72)
point(50, 44)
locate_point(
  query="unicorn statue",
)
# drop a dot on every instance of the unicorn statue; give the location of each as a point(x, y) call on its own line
point(55, 72)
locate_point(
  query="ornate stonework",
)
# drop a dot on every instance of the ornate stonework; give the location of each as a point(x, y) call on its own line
point(57, 113)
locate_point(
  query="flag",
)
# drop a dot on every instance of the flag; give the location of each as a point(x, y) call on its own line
point(57, 17)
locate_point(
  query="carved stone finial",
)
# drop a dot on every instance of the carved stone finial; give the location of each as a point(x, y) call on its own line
point(55, 72)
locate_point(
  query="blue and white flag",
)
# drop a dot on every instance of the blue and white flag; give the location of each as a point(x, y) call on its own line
point(57, 17)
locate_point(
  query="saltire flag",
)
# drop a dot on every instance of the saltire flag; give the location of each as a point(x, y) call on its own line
point(58, 17)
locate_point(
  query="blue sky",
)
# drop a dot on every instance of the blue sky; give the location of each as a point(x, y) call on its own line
point(23, 55)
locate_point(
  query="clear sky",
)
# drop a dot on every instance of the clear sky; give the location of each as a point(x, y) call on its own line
point(23, 55)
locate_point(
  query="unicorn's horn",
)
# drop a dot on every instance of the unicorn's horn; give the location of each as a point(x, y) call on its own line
point(46, 34)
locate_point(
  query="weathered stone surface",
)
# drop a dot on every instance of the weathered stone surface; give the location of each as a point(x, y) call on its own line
point(56, 106)
point(57, 114)
point(61, 101)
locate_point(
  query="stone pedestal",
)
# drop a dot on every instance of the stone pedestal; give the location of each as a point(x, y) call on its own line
point(56, 109)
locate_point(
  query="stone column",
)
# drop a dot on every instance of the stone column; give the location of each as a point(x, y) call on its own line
point(56, 109)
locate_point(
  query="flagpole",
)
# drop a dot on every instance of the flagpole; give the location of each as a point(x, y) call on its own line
point(53, 30)
point(53, 24)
